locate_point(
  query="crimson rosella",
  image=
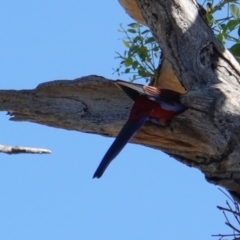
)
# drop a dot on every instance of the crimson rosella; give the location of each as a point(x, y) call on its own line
point(149, 102)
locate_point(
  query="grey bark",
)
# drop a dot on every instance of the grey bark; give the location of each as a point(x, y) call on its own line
point(210, 75)
point(17, 150)
point(206, 136)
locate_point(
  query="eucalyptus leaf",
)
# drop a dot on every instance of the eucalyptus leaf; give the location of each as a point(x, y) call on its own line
point(235, 11)
point(134, 25)
point(126, 44)
point(128, 62)
point(132, 30)
point(235, 50)
point(232, 24)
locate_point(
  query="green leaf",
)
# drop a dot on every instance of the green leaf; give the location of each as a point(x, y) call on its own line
point(128, 62)
point(156, 49)
point(143, 73)
point(140, 49)
point(143, 53)
point(224, 27)
point(135, 25)
point(135, 64)
point(127, 70)
point(132, 30)
point(144, 32)
point(150, 40)
point(126, 44)
point(133, 49)
point(235, 11)
point(232, 24)
point(235, 50)
point(137, 38)
point(238, 58)
point(220, 38)
point(209, 19)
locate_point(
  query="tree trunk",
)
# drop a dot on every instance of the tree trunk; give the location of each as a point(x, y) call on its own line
point(205, 136)
point(210, 75)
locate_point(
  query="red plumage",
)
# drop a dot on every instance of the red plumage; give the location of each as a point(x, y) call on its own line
point(160, 104)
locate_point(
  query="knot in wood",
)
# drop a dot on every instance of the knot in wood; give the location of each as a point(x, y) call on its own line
point(206, 55)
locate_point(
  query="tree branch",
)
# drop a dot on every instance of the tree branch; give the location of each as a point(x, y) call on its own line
point(94, 104)
point(16, 150)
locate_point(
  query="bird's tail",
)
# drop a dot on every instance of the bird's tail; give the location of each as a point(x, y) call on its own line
point(127, 132)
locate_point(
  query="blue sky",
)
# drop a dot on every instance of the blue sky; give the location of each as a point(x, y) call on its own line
point(143, 195)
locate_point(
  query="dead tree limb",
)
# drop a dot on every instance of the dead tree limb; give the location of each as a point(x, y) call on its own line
point(17, 150)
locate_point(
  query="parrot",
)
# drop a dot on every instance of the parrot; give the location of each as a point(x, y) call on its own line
point(150, 102)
